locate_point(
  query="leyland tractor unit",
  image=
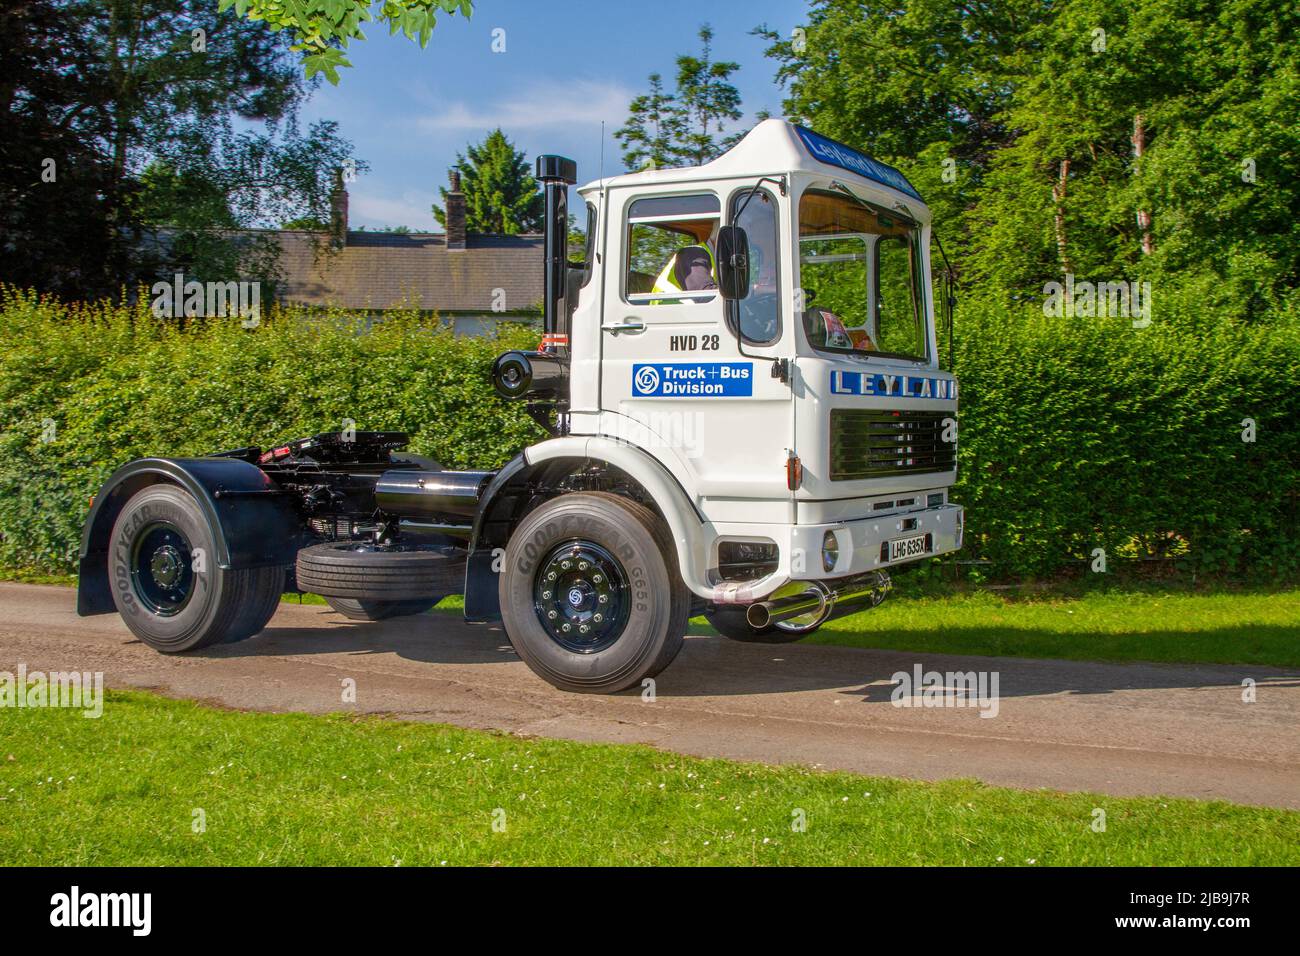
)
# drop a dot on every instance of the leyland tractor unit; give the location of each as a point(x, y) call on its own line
point(747, 417)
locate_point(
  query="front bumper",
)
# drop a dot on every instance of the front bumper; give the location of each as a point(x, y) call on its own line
point(863, 543)
point(862, 546)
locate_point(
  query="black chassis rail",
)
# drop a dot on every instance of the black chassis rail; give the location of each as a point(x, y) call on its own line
point(261, 507)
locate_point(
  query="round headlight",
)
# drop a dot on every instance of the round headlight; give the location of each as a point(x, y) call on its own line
point(830, 551)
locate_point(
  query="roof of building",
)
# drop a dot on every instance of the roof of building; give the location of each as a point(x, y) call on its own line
point(384, 270)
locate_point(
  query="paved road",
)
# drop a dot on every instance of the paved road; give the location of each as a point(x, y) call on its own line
point(1112, 728)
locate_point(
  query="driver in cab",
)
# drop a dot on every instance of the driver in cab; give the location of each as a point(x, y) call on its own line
point(689, 269)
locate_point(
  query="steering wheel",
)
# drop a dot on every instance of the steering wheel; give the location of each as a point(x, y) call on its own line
point(760, 316)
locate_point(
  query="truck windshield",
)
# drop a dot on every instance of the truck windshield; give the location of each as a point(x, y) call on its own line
point(860, 275)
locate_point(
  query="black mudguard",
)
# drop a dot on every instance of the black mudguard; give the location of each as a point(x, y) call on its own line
point(492, 525)
point(254, 522)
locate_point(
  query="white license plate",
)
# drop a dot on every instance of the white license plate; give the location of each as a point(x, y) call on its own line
point(915, 546)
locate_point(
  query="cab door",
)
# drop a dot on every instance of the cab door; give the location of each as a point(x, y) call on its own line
point(674, 379)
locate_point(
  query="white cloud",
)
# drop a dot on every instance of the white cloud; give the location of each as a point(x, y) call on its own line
point(410, 209)
point(579, 103)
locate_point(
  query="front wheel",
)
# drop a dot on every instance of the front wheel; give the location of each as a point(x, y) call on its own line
point(591, 595)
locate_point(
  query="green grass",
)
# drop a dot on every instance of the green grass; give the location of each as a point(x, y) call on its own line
point(297, 789)
point(1219, 628)
point(32, 576)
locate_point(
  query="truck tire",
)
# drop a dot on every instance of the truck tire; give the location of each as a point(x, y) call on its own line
point(591, 595)
point(730, 622)
point(163, 574)
point(356, 610)
point(357, 570)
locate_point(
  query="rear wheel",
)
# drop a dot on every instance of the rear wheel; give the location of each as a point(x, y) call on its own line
point(356, 610)
point(591, 595)
point(165, 581)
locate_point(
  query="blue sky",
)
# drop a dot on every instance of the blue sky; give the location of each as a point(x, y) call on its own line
point(566, 67)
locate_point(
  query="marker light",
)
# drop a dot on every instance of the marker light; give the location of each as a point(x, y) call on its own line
point(793, 472)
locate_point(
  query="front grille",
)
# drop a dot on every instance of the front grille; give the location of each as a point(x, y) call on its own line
point(866, 443)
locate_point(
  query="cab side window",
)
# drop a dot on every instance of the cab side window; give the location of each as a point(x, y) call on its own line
point(670, 253)
point(588, 248)
point(760, 310)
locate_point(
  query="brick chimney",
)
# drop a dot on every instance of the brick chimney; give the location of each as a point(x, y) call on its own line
point(338, 211)
point(455, 209)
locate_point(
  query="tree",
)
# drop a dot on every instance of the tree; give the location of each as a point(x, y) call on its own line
point(164, 64)
point(653, 130)
point(321, 29)
point(902, 76)
point(100, 91)
point(177, 200)
point(1115, 139)
point(54, 181)
point(576, 247)
point(501, 195)
point(307, 224)
point(684, 127)
point(707, 99)
point(919, 84)
point(209, 202)
point(1139, 115)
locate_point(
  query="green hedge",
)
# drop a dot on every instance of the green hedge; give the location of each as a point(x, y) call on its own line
point(1075, 434)
point(118, 383)
point(1085, 433)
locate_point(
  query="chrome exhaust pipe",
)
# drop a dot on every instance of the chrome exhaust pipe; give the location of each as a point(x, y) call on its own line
point(811, 601)
point(855, 594)
point(866, 596)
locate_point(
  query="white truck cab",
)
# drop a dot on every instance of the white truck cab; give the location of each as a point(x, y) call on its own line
point(819, 443)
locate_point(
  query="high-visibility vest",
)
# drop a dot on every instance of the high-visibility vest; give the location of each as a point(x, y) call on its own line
point(666, 281)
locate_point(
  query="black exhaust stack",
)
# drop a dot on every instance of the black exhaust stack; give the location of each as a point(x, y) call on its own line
point(542, 377)
point(556, 174)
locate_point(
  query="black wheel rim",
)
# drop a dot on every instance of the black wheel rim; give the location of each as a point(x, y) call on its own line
point(162, 575)
point(581, 596)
